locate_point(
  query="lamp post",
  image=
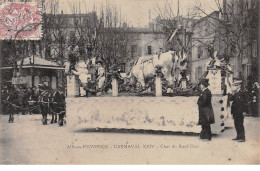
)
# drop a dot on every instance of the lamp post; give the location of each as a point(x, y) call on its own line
point(32, 71)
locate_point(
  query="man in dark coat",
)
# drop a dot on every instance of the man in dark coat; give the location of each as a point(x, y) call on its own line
point(254, 100)
point(25, 103)
point(206, 114)
point(43, 102)
point(238, 110)
point(61, 105)
point(32, 96)
point(12, 103)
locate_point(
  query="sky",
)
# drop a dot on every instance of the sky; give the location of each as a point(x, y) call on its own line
point(136, 12)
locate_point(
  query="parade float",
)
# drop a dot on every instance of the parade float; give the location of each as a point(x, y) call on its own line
point(177, 112)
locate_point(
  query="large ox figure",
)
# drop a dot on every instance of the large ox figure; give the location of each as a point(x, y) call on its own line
point(144, 68)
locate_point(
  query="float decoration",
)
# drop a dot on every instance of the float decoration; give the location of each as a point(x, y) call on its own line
point(150, 113)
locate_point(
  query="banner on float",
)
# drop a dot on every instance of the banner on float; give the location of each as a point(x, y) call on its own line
point(19, 80)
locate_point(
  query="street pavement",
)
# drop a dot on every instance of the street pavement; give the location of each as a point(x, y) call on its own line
point(27, 141)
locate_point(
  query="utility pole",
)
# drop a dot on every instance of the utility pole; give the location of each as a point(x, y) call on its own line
point(178, 13)
point(32, 74)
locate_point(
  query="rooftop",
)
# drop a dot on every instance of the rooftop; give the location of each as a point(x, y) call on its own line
point(38, 63)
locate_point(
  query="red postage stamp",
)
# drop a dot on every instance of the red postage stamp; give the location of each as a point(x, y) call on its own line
point(20, 21)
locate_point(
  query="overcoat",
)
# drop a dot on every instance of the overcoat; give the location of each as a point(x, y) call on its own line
point(239, 103)
point(206, 114)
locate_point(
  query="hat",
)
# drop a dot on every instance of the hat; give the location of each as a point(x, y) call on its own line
point(42, 86)
point(204, 82)
point(237, 82)
point(99, 62)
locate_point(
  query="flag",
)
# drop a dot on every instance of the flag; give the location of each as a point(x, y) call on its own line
point(173, 34)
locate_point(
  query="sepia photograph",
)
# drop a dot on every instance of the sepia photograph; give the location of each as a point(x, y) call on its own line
point(129, 82)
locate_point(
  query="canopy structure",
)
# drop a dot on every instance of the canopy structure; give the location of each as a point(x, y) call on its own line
point(37, 63)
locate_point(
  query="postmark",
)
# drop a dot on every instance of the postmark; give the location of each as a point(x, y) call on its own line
point(20, 21)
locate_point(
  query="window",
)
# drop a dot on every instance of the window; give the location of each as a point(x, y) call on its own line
point(131, 64)
point(76, 22)
point(234, 70)
point(122, 67)
point(85, 22)
point(34, 49)
point(199, 52)
point(198, 73)
point(149, 50)
point(133, 51)
point(232, 67)
point(72, 37)
point(254, 49)
point(48, 52)
point(247, 70)
point(206, 53)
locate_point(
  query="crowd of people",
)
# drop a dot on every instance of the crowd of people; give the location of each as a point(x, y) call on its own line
point(22, 100)
point(252, 98)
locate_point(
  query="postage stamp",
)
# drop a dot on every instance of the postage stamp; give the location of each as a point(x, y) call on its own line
point(20, 21)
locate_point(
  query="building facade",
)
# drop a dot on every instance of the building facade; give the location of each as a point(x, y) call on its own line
point(204, 35)
point(79, 30)
point(143, 42)
point(241, 38)
point(232, 32)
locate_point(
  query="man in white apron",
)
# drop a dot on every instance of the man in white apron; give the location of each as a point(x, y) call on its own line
point(101, 76)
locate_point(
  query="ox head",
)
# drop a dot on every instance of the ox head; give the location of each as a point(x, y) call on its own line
point(167, 62)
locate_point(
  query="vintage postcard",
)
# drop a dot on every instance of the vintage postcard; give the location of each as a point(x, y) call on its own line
point(129, 82)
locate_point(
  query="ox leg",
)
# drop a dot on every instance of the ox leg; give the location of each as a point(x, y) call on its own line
point(55, 118)
point(52, 118)
point(11, 114)
point(61, 117)
point(44, 120)
point(44, 117)
point(140, 83)
point(143, 83)
point(11, 118)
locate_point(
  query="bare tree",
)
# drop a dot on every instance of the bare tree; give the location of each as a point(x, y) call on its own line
point(176, 26)
point(55, 39)
point(84, 32)
point(103, 38)
point(237, 29)
point(15, 48)
point(113, 39)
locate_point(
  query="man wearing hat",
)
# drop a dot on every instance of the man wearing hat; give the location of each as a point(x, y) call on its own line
point(42, 99)
point(238, 109)
point(206, 114)
point(58, 105)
